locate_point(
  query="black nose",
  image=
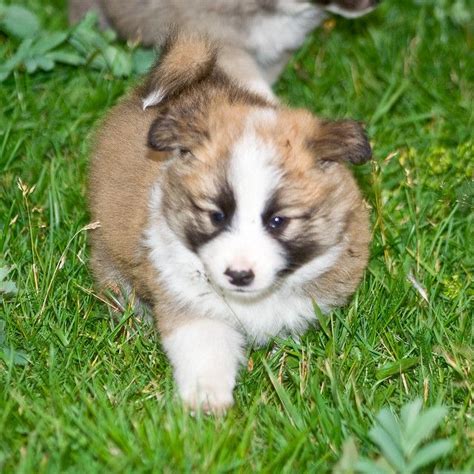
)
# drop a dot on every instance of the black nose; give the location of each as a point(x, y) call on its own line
point(240, 278)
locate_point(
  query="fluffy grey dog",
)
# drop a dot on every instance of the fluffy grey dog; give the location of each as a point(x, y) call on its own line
point(257, 37)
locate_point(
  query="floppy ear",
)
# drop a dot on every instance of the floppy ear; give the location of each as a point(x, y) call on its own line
point(176, 129)
point(340, 141)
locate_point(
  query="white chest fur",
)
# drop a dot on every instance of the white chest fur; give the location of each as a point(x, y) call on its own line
point(284, 310)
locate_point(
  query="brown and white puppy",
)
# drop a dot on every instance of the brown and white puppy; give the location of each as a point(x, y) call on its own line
point(227, 214)
point(257, 36)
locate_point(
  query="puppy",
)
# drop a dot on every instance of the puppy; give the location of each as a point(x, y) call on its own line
point(228, 215)
point(257, 36)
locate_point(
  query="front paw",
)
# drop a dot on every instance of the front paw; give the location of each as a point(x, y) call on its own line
point(210, 394)
point(205, 354)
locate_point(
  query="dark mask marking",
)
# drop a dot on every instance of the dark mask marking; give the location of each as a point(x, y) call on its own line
point(198, 230)
point(300, 250)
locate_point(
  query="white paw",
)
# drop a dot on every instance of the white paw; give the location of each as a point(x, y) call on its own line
point(205, 355)
point(208, 394)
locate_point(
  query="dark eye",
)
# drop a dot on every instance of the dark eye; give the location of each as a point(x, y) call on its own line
point(277, 222)
point(217, 217)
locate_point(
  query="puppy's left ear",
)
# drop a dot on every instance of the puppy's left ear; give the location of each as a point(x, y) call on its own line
point(340, 141)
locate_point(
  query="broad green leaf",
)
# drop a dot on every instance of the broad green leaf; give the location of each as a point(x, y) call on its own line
point(31, 65)
point(16, 357)
point(425, 425)
point(45, 63)
point(430, 453)
point(66, 57)
point(48, 41)
point(88, 23)
point(18, 21)
point(390, 424)
point(98, 63)
point(367, 466)
point(142, 60)
point(119, 62)
point(85, 38)
point(3, 272)
point(409, 414)
point(109, 35)
point(388, 447)
point(9, 66)
point(6, 286)
point(22, 52)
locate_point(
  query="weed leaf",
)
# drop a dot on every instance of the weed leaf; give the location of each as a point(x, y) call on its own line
point(142, 60)
point(6, 287)
point(66, 57)
point(18, 21)
point(367, 466)
point(388, 447)
point(409, 413)
point(399, 441)
point(423, 428)
point(49, 41)
point(9, 354)
point(430, 453)
point(390, 424)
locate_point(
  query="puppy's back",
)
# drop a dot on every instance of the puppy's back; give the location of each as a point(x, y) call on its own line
point(121, 173)
point(123, 167)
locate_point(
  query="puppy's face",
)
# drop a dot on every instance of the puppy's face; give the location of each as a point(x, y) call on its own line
point(258, 193)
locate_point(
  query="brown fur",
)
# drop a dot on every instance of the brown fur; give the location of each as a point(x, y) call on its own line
point(200, 124)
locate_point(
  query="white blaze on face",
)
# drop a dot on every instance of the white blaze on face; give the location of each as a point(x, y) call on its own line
point(246, 246)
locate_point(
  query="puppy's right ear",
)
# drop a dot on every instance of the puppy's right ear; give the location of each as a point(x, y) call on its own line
point(185, 60)
point(176, 129)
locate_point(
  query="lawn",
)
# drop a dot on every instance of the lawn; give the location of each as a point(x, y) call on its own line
point(81, 391)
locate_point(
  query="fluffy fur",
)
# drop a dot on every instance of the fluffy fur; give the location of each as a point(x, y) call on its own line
point(257, 36)
point(225, 213)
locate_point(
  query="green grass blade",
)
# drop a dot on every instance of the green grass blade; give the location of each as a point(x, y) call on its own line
point(285, 399)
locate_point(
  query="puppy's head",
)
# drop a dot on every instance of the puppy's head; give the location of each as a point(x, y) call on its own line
point(349, 8)
point(256, 191)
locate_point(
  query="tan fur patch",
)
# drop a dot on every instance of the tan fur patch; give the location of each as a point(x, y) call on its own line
point(199, 127)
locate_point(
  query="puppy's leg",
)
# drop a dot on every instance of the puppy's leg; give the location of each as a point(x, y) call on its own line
point(113, 285)
point(205, 355)
point(271, 72)
point(241, 66)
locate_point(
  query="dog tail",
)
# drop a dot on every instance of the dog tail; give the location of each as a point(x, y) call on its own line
point(185, 59)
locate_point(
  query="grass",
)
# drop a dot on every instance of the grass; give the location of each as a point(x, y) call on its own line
point(80, 393)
